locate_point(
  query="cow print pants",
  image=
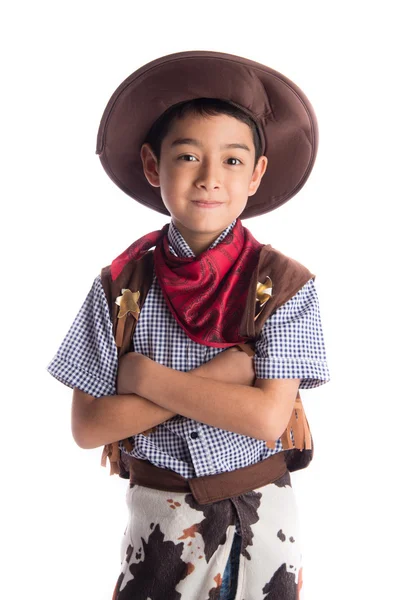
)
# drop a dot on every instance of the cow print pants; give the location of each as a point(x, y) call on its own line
point(176, 549)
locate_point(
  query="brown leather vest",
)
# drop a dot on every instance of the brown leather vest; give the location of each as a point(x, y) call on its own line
point(287, 277)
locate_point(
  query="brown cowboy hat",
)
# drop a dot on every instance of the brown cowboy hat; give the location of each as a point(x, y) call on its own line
point(286, 120)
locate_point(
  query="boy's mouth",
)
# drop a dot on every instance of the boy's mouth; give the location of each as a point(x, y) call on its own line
point(207, 203)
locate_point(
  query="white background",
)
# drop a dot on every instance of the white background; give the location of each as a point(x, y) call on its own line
point(63, 516)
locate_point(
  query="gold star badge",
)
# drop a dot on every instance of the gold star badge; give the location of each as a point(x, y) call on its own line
point(128, 302)
point(263, 294)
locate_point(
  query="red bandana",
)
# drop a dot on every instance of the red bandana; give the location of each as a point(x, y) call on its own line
point(207, 293)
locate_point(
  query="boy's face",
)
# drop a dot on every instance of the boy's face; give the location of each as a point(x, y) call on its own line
point(204, 184)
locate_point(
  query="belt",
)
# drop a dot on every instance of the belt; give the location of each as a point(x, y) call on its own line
point(209, 488)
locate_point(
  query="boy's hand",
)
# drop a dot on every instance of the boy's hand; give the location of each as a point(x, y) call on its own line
point(131, 369)
point(230, 366)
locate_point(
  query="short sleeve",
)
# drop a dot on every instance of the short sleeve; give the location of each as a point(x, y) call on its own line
point(87, 358)
point(291, 344)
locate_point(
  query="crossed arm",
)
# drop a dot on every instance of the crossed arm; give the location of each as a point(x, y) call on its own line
point(220, 393)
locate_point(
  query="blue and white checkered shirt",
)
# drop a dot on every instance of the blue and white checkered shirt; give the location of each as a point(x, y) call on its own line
point(291, 345)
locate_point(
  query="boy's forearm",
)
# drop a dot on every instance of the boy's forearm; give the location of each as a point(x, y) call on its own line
point(113, 418)
point(226, 405)
point(261, 411)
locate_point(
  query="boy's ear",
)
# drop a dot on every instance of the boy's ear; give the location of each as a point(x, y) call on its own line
point(150, 165)
point(258, 173)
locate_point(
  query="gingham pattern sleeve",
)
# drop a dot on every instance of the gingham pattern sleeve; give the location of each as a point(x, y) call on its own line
point(87, 358)
point(291, 344)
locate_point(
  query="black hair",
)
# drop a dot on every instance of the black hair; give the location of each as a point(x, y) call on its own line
point(203, 107)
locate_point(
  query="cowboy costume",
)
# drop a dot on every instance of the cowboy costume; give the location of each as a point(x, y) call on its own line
point(205, 522)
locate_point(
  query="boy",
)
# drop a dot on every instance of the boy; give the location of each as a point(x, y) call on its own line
point(212, 511)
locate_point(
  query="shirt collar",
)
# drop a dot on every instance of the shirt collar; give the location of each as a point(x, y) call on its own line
point(179, 246)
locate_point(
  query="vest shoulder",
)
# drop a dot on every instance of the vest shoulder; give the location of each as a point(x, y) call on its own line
point(136, 274)
point(275, 260)
point(130, 267)
point(287, 275)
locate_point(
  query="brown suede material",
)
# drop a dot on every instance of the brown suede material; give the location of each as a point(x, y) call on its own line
point(136, 276)
point(288, 277)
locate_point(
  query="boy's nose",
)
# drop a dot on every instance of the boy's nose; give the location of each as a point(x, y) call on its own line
point(209, 177)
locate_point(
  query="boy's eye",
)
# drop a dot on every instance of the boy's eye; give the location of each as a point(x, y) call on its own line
point(189, 156)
